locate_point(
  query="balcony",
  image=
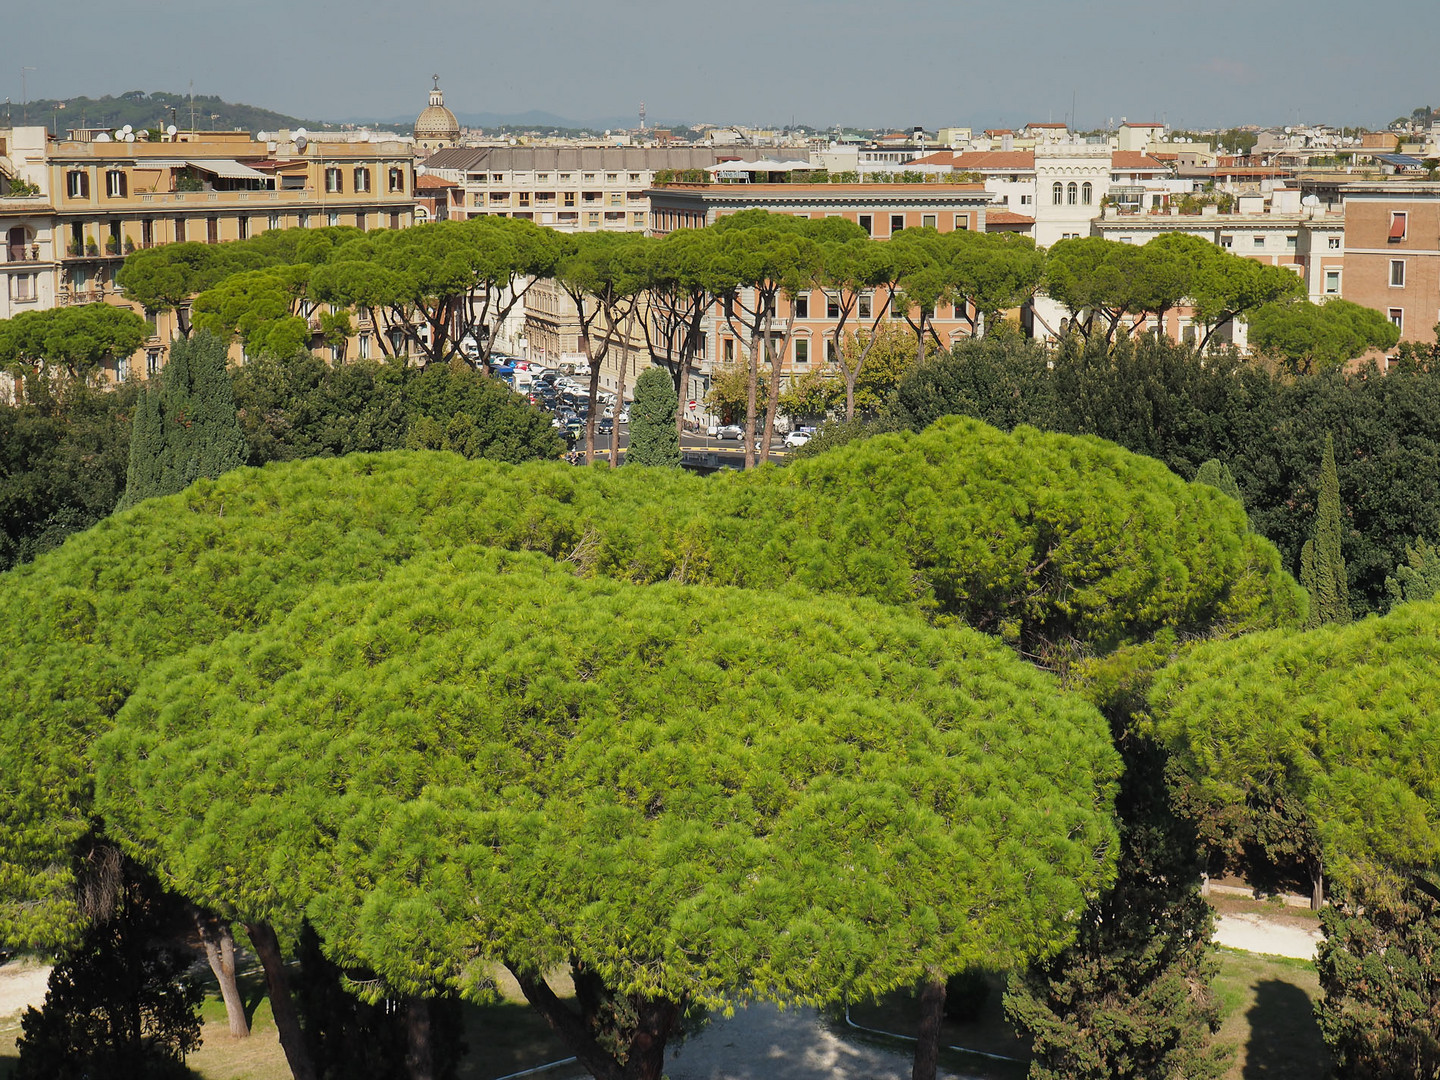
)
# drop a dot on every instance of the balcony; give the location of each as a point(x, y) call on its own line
point(22, 253)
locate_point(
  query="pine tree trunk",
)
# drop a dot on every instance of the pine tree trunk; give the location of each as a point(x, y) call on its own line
point(657, 1021)
point(282, 1005)
point(752, 379)
point(927, 1043)
point(220, 952)
point(1317, 886)
point(420, 1049)
point(570, 1027)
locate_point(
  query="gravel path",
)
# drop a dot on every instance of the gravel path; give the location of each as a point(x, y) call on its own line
point(22, 984)
point(762, 1042)
point(1256, 934)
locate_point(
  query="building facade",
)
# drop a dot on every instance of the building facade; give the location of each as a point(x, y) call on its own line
point(1392, 253)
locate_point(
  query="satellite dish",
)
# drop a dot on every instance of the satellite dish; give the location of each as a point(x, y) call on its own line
point(260, 136)
point(102, 137)
point(1289, 130)
point(1310, 200)
point(129, 136)
point(301, 142)
point(127, 129)
point(300, 133)
point(420, 170)
point(170, 131)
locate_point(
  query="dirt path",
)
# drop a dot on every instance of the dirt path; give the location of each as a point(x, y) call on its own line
point(1258, 934)
point(761, 1042)
point(22, 984)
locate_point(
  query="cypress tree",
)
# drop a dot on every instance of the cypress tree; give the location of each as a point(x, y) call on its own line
point(654, 439)
point(1322, 567)
point(1217, 474)
point(186, 426)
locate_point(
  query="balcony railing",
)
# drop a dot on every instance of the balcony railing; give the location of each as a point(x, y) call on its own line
point(22, 253)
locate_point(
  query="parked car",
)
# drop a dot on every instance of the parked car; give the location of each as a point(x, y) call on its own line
point(798, 438)
point(624, 417)
point(728, 431)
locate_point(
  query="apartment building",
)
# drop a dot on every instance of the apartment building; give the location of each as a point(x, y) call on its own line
point(571, 189)
point(103, 198)
point(1392, 253)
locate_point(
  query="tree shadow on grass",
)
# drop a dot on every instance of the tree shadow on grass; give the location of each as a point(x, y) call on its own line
point(1285, 1037)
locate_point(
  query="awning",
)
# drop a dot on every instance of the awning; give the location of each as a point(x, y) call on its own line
point(229, 170)
point(159, 163)
point(1397, 226)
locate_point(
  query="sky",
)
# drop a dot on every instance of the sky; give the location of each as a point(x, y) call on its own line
point(899, 64)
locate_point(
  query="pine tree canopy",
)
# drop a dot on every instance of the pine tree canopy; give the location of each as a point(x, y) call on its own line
point(690, 789)
point(1343, 717)
point(1065, 545)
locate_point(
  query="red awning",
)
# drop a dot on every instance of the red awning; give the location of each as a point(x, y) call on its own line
point(1397, 226)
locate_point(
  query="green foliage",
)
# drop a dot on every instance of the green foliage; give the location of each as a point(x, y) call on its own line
point(139, 109)
point(1340, 718)
point(654, 438)
point(1322, 566)
point(120, 1004)
point(1306, 336)
point(452, 407)
point(810, 395)
point(185, 428)
point(1377, 968)
point(822, 811)
point(1418, 577)
point(1217, 474)
point(76, 340)
point(63, 453)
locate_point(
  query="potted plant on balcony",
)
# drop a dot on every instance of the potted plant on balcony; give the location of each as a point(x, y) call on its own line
point(112, 245)
point(76, 247)
point(129, 244)
point(91, 247)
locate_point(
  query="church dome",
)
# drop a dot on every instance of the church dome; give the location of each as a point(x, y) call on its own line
point(436, 123)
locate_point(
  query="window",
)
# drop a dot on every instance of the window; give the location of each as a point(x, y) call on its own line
point(930, 221)
point(638, 219)
point(832, 307)
point(360, 220)
point(1087, 193)
point(611, 178)
point(497, 178)
point(634, 178)
point(77, 184)
point(802, 351)
point(1290, 243)
point(1227, 242)
point(1057, 193)
point(115, 184)
point(867, 223)
point(1397, 273)
point(1397, 317)
point(397, 181)
point(147, 233)
point(729, 348)
point(122, 368)
point(962, 222)
point(1332, 282)
point(863, 307)
point(1258, 241)
point(1072, 193)
point(364, 346)
point(212, 230)
point(617, 199)
point(152, 362)
point(24, 286)
point(334, 219)
point(1397, 225)
point(244, 227)
point(830, 353)
point(1333, 243)
point(802, 306)
point(524, 198)
point(1026, 200)
point(179, 230)
point(897, 223)
point(333, 182)
point(568, 198)
point(592, 218)
point(362, 179)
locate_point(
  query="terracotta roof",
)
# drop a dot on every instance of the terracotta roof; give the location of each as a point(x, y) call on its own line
point(427, 180)
point(1046, 125)
point(1142, 124)
point(1006, 217)
point(981, 160)
point(999, 131)
point(1134, 159)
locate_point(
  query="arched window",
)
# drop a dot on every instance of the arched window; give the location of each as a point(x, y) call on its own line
point(1071, 193)
point(1059, 192)
point(1087, 194)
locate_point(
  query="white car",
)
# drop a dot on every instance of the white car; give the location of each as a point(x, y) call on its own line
point(624, 417)
point(797, 439)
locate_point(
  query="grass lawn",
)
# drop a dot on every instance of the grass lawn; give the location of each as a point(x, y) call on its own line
point(1269, 1015)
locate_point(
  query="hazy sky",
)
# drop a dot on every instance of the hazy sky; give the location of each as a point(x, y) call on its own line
point(821, 62)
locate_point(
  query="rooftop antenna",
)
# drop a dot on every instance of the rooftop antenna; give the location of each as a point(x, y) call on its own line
point(642, 116)
point(192, 105)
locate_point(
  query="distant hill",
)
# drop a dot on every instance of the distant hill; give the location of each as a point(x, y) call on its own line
point(141, 110)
